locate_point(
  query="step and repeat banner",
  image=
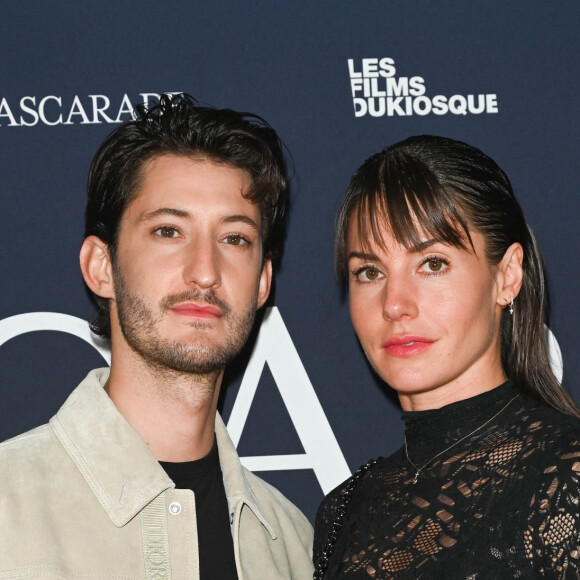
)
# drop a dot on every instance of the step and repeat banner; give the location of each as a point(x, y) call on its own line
point(338, 81)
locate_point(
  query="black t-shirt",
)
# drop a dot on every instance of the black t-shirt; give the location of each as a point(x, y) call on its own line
point(216, 546)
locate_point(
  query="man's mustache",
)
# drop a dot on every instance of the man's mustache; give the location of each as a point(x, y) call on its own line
point(195, 295)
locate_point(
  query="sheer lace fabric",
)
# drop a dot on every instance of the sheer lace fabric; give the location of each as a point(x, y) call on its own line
point(504, 503)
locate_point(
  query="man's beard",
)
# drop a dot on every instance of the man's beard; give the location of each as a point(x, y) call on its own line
point(139, 325)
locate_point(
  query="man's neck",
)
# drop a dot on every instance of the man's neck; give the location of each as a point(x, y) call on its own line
point(174, 413)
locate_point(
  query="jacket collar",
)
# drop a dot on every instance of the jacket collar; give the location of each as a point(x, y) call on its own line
point(238, 489)
point(118, 465)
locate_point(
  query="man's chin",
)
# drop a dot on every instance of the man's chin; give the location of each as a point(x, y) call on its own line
point(190, 358)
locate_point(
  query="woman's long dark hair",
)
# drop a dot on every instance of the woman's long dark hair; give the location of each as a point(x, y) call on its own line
point(444, 188)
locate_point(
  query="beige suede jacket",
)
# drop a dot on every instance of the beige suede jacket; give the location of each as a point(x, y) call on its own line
point(84, 497)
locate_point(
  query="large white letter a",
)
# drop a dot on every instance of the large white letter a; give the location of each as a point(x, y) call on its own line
point(323, 453)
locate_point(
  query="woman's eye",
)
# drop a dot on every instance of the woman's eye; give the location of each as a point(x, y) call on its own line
point(368, 273)
point(167, 232)
point(435, 264)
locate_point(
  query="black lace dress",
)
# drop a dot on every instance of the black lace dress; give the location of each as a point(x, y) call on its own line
point(503, 503)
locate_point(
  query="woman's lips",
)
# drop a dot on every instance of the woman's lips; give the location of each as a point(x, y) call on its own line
point(403, 346)
point(197, 310)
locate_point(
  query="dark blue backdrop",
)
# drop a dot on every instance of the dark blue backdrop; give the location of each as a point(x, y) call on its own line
point(288, 63)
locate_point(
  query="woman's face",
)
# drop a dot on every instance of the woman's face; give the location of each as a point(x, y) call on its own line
point(428, 320)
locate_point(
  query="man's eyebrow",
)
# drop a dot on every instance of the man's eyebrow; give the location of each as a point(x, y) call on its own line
point(230, 219)
point(152, 215)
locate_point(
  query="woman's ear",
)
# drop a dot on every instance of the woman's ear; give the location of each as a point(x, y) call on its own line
point(96, 267)
point(510, 274)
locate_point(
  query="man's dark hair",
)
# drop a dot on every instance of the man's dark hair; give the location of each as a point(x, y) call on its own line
point(178, 125)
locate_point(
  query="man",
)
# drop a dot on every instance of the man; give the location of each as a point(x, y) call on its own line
point(135, 476)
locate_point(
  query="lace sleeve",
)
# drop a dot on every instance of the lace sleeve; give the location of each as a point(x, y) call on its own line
point(324, 517)
point(552, 537)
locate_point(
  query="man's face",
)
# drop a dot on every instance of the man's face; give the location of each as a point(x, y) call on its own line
point(188, 273)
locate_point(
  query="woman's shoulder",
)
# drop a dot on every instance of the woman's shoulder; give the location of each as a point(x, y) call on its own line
point(335, 497)
point(335, 504)
point(549, 441)
point(548, 425)
point(366, 470)
point(335, 501)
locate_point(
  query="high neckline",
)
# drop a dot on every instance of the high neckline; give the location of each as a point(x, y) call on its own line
point(428, 432)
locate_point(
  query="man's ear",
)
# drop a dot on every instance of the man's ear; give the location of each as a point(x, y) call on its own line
point(265, 282)
point(510, 274)
point(96, 267)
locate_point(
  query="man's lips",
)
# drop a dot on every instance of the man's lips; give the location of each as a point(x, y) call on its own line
point(197, 310)
point(407, 345)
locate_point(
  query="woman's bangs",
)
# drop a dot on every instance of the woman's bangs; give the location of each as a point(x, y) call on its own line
point(413, 206)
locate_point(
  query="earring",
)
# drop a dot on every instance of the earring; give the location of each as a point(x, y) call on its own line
point(510, 305)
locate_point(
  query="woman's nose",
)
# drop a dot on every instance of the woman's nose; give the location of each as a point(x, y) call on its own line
point(399, 299)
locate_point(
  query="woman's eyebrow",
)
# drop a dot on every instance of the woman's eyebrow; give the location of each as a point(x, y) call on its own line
point(425, 244)
point(362, 256)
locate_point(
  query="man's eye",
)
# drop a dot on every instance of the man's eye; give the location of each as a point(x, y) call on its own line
point(167, 232)
point(235, 240)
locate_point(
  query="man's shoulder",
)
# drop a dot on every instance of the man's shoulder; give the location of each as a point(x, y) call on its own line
point(29, 451)
point(29, 441)
point(40, 449)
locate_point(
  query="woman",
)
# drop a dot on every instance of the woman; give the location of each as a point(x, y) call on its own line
point(448, 298)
